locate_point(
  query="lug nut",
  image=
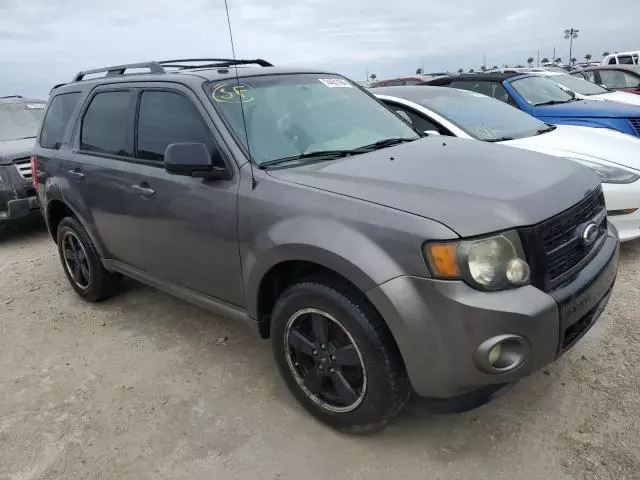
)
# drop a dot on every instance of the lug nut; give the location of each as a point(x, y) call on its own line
point(331, 370)
point(323, 346)
point(320, 367)
point(315, 352)
point(333, 357)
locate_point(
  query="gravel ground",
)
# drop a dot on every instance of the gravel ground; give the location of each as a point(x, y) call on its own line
point(145, 386)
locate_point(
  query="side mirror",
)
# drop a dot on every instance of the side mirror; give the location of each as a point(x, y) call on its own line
point(432, 132)
point(192, 160)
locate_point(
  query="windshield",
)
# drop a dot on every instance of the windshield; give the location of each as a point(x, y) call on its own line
point(482, 117)
point(20, 120)
point(292, 115)
point(539, 91)
point(578, 85)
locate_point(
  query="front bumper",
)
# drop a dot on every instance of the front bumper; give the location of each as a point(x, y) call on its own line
point(439, 325)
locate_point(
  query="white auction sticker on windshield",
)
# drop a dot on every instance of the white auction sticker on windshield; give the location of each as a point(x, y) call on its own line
point(335, 82)
point(35, 105)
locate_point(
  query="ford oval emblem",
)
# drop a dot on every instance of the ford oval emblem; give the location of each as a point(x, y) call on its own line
point(589, 234)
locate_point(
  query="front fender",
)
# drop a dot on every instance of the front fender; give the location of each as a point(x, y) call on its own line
point(329, 243)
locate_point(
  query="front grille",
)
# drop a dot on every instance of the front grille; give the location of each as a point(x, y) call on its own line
point(556, 247)
point(635, 122)
point(24, 167)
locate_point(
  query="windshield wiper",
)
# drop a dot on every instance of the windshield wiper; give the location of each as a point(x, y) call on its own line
point(387, 142)
point(322, 155)
point(319, 155)
point(556, 102)
point(501, 139)
point(548, 128)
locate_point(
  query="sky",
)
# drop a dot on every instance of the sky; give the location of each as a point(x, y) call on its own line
point(44, 42)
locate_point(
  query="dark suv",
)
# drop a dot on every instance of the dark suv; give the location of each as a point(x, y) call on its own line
point(20, 119)
point(379, 261)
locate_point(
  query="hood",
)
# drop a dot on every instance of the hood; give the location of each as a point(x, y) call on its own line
point(585, 142)
point(12, 149)
point(621, 97)
point(471, 187)
point(587, 109)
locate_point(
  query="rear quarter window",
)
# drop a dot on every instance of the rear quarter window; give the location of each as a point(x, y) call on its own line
point(57, 119)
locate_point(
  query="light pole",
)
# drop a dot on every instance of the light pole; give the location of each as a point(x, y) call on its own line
point(570, 34)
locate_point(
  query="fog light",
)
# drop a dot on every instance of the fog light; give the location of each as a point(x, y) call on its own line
point(518, 271)
point(494, 354)
point(502, 354)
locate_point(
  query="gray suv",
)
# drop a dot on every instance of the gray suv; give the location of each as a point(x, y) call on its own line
point(20, 119)
point(378, 260)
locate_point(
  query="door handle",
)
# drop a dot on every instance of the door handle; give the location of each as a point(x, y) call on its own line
point(77, 174)
point(143, 189)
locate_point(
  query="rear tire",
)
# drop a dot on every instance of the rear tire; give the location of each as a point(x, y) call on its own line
point(81, 262)
point(338, 357)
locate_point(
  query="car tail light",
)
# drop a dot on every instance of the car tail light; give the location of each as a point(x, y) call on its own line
point(34, 171)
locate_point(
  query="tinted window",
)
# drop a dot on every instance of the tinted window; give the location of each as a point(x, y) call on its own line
point(418, 121)
point(166, 118)
point(490, 89)
point(613, 61)
point(591, 76)
point(105, 126)
point(57, 119)
point(625, 59)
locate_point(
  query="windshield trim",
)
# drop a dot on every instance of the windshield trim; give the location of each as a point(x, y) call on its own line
point(242, 145)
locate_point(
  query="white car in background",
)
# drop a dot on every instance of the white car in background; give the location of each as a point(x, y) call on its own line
point(614, 156)
point(586, 90)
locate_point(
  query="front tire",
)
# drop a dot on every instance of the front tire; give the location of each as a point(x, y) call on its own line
point(81, 262)
point(338, 357)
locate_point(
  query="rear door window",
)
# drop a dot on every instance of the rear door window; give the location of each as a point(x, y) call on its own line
point(169, 117)
point(57, 119)
point(105, 126)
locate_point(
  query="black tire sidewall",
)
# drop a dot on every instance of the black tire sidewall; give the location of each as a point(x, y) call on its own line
point(381, 401)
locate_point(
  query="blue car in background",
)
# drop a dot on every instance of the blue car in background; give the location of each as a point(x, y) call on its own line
point(545, 100)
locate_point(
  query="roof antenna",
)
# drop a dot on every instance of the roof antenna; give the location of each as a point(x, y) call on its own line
point(239, 94)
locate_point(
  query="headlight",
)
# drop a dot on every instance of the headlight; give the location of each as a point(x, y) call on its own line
point(491, 263)
point(607, 173)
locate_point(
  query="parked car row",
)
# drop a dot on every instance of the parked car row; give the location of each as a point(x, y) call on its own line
point(380, 257)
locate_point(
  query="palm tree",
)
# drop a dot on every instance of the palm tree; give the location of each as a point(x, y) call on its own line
point(419, 71)
point(460, 70)
point(605, 53)
point(587, 57)
point(558, 60)
point(483, 68)
point(373, 76)
point(573, 61)
point(471, 70)
point(530, 61)
point(495, 67)
point(545, 60)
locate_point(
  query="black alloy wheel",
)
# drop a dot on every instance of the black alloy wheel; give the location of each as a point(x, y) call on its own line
point(325, 360)
point(75, 260)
